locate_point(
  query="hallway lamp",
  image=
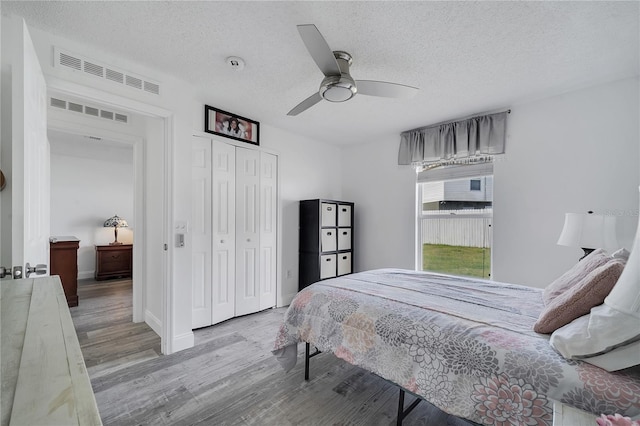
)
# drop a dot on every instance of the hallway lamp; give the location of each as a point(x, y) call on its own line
point(115, 222)
point(589, 232)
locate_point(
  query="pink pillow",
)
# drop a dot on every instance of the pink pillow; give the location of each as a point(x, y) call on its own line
point(579, 299)
point(573, 276)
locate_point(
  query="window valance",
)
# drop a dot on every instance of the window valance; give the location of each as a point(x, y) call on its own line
point(480, 135)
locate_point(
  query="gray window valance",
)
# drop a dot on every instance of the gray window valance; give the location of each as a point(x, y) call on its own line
point(481, 135)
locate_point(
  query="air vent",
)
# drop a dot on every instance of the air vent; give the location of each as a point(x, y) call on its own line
point(133, 82)
point(93, 69)
point(92, 111)
point(75, 107)
point(106, 114)
point(116, 76)
point(152, 88)
point(58, 103)
point(70, 61)
point(89, 110)
point(100, 70)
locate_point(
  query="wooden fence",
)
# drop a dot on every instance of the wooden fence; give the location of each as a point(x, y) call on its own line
point(467, 228)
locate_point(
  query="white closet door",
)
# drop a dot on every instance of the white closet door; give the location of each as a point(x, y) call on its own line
point(224, 232)
point(247, 231)
point(268, 227)
point(201, 232)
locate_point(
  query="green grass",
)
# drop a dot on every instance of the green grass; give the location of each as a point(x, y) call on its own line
point(457, 260)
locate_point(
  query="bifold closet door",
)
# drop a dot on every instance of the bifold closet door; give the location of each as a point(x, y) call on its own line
point(213, 232)
point(234, 231)
point(201, 232)
point(224, 232)
point(247, 231)
point(268, 229)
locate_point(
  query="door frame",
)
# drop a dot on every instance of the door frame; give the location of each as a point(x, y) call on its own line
point(58, 85)
point(139, 285)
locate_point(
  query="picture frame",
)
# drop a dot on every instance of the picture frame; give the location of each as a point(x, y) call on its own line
point(221, 123)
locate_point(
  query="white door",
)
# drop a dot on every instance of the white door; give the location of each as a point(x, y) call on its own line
point(268, 227)
point(224, 230)
point(247, 231)
point(29, 177)
point(201, 232)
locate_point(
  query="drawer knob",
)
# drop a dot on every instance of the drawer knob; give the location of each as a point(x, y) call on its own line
point(115, 256)
point(328, 233)
point(329, 209)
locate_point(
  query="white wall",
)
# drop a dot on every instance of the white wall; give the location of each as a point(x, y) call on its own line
point(385, 210)
point(570, 153)
point(84, 193)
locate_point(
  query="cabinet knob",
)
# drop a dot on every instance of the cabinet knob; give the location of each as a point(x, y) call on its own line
point(248, 240)
point(221, 241)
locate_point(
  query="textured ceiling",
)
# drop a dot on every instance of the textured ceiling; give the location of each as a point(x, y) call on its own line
point(466, 57)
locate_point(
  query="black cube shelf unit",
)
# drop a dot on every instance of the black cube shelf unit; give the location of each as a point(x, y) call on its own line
point(326, 240)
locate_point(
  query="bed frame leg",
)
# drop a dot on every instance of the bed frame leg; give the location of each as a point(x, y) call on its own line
point(400, 408)
point(402, 413)
point(306, 361)
point(307, 356)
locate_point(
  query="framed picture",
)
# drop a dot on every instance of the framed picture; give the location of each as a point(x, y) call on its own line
point(231, 125)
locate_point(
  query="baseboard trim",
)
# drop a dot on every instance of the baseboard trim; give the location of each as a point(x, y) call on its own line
point(153, 322)
point(286, 299)
point(183, 341)
point(86, 275)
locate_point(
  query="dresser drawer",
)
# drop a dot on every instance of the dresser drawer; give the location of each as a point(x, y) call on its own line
point(329, 240)
point(344, 239)
point(113, 261)
point(328, 214)
point(344, 215)
point(327, 266)
point(344, 263)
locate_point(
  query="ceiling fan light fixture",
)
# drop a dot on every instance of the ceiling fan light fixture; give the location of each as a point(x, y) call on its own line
point(338, 88)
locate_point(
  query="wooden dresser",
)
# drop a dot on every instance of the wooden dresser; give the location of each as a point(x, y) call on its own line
point(114, 261)
point(63, 260)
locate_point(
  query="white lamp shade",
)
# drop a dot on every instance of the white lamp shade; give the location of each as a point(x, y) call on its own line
point(590, 231)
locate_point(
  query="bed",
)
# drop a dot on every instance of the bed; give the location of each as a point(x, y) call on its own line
point(466, 345)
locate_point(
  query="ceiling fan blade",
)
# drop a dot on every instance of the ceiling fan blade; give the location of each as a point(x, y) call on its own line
point(385, 89)
point(306, 104)
point(319, 49)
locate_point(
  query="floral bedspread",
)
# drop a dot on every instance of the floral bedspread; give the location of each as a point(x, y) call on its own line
point(466, 345)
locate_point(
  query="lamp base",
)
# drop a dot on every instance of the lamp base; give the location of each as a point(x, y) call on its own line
point(115, 243)
point(587, 252)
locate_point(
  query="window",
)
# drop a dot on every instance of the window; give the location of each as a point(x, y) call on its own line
point(454, 223)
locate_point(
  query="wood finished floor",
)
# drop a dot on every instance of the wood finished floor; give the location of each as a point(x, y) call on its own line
point(229, 377)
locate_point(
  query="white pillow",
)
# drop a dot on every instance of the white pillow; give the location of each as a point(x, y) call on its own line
point(618, 358)
point(603, 332)
point(622, 254)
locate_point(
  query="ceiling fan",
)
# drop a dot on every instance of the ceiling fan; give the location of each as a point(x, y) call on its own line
point(338, 85)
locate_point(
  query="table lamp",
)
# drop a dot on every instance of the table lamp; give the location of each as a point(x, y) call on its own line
point(589, 232)
point(115, 222)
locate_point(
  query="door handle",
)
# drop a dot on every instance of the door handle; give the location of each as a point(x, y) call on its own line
point(39, 269)
point(15, 273)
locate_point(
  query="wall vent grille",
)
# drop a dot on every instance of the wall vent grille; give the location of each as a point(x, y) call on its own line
point(74, 62)
point(89, 110)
